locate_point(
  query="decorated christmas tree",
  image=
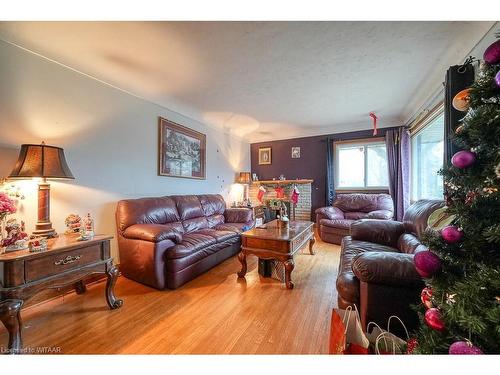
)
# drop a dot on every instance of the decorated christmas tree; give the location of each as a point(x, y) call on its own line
point(460, 310)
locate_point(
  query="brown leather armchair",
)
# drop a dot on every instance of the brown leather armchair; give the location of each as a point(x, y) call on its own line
point(334, 222)
point(376, 270)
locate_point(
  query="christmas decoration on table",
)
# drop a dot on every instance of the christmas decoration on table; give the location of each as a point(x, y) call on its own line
point(464, 347)
point(37, 244)
point(295, 195)
point(464, 270)
point(260, 193)
point(427, 263)
point(73, 223)
point(16, 237)
point(87, 229)
point(463, 159)
point(452, 234)
point(426, 297)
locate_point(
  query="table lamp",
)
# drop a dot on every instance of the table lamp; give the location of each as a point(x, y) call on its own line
point(245, 179)
point(45, 162)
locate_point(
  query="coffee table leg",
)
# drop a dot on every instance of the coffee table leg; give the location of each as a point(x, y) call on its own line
point(312, 241)
point(243, 260)
point(289, 266)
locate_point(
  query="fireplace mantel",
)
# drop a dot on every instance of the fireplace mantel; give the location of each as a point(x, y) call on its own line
point(283, 182)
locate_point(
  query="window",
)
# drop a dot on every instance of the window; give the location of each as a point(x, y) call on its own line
point(427, 150)
point(361, 165)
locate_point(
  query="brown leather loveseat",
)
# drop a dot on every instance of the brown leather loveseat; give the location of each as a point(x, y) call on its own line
point(166, 241)
point(376, 269)
point(334, 221)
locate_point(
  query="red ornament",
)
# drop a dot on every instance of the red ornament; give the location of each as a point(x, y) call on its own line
point(411, 344)
point(451, 234)
point(434, 319)
point(427, 263)
point(426, 297)
point(464, 347)
point(463, 159)
point(492, 53)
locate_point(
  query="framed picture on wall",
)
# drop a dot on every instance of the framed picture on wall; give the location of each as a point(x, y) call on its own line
point(264, 155)
point(181, 151)
point(295, 152)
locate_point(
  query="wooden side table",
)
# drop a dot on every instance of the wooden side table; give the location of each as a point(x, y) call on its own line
point(65, 262)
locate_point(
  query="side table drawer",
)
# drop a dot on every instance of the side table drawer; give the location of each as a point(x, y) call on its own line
point(54, 264)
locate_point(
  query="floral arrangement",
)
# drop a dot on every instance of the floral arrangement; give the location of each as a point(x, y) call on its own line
point(7, 206)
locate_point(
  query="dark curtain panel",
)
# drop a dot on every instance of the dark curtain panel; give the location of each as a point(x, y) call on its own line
point(330, 183)
point(458, 77)
point(398, 164)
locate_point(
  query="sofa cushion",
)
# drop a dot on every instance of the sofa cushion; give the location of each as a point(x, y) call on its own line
point(191, 243)
point(214, 220)
point(359, 202)
point(188, 206)
point(212, 204)
point(195, 224)
point(233, 227)
point(155, 232)
point(336, 223)
point(347, 282)
point(356, 215)
point(409, 244)
point(161, 210)
point(220, 235)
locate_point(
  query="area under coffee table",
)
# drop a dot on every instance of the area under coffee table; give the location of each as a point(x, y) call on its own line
point(275, 242)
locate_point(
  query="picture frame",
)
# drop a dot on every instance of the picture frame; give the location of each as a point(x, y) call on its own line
point(295, 152)
point(264, 155)
point(181, 151)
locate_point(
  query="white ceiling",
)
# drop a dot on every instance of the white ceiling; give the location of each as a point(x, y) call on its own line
point(263, 80)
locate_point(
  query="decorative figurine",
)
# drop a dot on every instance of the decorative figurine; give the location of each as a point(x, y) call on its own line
point(87, 230)
point(73, 222)
point(38, 244)
point(16, 239)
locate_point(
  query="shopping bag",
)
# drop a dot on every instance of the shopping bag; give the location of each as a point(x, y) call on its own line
point(346, 333)
point(385, 342)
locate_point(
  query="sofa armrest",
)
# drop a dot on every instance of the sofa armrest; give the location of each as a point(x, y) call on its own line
point(238, 215)
point(383, 232)
point(381, 215)
point(152, 233)
point(387, 268)
point(330, 212)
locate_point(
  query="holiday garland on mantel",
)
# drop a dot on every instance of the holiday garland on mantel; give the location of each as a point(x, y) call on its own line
point(460, 313)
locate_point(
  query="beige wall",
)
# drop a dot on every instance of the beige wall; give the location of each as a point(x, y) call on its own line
point(109, 137)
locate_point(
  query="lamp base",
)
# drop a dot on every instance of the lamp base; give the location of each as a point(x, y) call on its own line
point(45, 230)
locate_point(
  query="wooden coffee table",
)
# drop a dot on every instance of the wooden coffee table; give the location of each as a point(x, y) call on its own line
point(276, 243)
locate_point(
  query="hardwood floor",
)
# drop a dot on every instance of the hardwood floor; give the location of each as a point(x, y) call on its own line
point(216, 313)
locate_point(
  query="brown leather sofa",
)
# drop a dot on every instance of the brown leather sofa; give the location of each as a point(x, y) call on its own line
point(166, 241)
point(376, 269)
point(334, 222)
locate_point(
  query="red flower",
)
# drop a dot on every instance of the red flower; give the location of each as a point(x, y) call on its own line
point(7, 205)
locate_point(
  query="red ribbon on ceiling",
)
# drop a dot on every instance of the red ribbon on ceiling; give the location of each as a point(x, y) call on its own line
point(375, 118)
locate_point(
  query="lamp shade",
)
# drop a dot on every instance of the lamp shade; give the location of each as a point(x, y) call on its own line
point(244, 178)
point(41, 161)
